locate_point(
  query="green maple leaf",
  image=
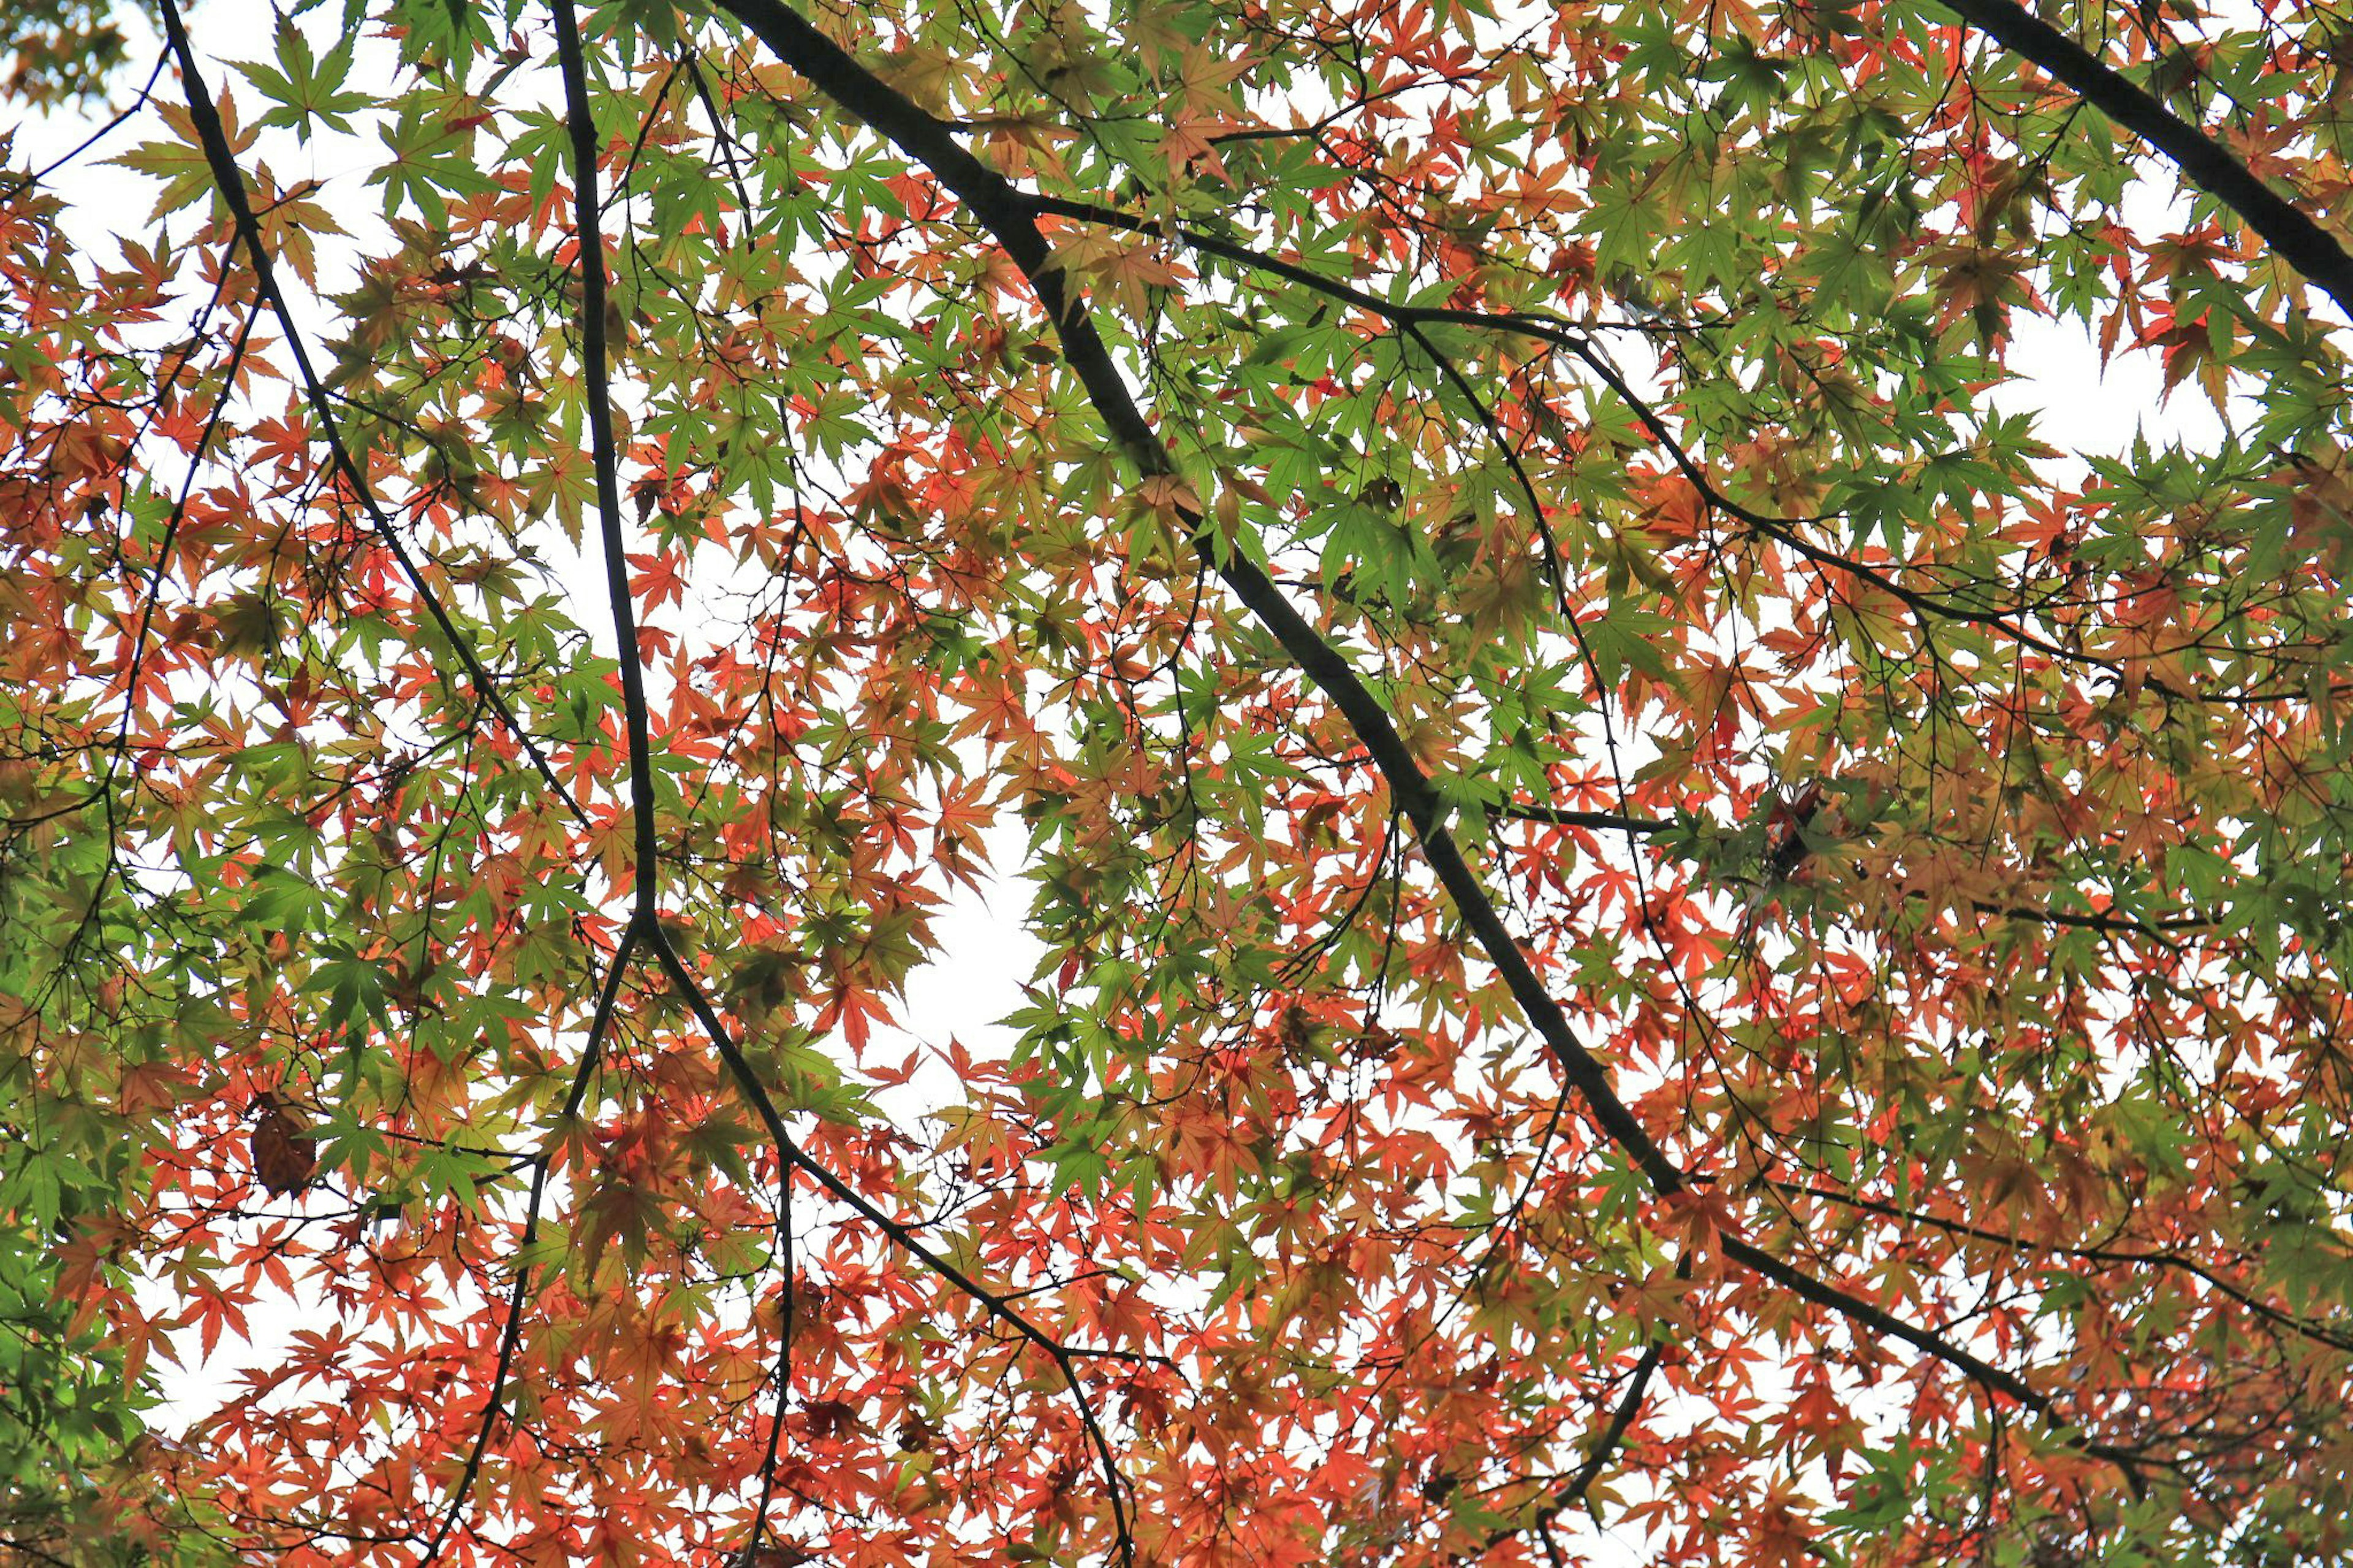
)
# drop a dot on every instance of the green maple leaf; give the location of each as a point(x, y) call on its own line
point(432, 160)
point(306, 87)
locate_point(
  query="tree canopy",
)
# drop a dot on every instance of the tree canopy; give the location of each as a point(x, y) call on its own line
point(1652, 920)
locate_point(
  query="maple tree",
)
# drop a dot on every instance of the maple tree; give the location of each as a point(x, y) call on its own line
point(1658, 921)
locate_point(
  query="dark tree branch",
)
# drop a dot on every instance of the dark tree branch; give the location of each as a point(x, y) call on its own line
point(32, 1553)
point(1605, 1448)
point(543, 1164)
point(222, 163)
point(783, 1376)
point(179, 513)
point(1600, 821)
point(901, 1235)
point(1010, 215)
point(138, 105)
point(1006, 212)
point(1555, 330)
point(2110, 924)
point(2113, 925)
point(1577, 342)
point(581, 122)
point(2301, 242)
point(2287, 1322)
point(1501, 440)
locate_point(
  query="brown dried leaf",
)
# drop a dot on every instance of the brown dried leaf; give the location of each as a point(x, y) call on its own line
point(284, 1154)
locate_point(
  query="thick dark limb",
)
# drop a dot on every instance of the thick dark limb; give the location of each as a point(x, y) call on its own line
point(2300, 242)
point(643, 921)
point(589, 238)
point(1009, 217)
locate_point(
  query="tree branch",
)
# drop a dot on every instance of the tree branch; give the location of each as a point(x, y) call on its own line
point(1600, 821)
point(584, 143)
point(1009, 217)
point(2299, 241)
point(2287, 1322)
point(543, 1164)
point(1605, 1448)
point(1636, 827)
point(1577, 342)
point(902, 1235)
point(581, 124)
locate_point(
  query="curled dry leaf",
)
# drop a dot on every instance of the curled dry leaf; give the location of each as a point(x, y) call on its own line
point(284, 1154)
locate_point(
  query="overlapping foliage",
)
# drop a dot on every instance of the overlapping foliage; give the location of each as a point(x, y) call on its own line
point(1661, 923)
